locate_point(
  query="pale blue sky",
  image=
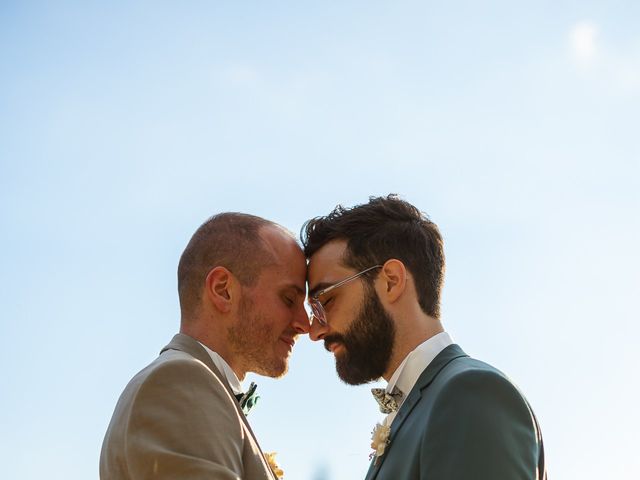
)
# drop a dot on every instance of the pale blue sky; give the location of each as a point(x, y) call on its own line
point(514, 125)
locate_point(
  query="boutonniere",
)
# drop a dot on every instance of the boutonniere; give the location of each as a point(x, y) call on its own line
point(379, 440)
point(270, 457)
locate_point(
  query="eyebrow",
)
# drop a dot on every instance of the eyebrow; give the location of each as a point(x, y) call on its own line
point(295, 287)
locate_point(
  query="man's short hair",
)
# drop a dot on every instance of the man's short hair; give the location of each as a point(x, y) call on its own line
point(229, 240)
point(385, 228)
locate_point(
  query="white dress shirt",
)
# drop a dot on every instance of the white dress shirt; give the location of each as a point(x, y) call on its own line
point(226, 370)
point(407, 374)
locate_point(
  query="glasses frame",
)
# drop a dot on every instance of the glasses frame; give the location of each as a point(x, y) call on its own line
point(315, 305)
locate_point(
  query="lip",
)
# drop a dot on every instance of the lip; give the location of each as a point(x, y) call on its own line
point(289, 341)
point(333, 347)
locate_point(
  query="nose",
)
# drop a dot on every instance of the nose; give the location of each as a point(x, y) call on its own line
point(300, 322)
point(317, 331)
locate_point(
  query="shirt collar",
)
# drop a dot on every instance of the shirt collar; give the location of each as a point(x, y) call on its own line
point(406, 375)
point(226, 370)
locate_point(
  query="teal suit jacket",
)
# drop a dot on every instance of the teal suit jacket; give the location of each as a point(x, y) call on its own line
point(463, 419)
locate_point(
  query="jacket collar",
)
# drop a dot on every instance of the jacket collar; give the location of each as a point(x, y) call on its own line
point(185, 343)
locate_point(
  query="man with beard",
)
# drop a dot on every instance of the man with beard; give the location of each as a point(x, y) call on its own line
point(241, 284)
point(375, 277)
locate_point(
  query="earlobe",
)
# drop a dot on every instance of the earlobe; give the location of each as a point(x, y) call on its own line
point(218, 288)
point(395, 277)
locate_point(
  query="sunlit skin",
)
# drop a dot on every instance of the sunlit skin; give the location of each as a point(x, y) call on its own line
point(395, 289)
point(254, 328)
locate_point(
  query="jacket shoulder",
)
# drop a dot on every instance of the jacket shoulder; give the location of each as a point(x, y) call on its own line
point(175, 410)
point(176, 373)
point(478, 412)
point(467, 380)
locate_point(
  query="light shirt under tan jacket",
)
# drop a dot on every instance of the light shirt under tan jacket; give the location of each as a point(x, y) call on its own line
point(178, 419)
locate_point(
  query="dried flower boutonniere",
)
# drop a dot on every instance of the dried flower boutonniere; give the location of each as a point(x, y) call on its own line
point(379, 440)
point(270, 457)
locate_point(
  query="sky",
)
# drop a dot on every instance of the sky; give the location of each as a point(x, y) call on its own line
point(513, 125)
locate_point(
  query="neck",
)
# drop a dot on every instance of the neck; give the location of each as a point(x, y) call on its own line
point(410, 334)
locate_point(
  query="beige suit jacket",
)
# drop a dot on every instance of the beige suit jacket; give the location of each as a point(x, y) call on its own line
point(178, 419)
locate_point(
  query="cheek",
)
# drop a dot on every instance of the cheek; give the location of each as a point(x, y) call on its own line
point(279, 316)
point(342, 315)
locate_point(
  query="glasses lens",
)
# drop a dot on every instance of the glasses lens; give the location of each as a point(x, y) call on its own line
point(317, 311)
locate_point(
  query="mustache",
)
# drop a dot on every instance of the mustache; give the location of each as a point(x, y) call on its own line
point(333, 338)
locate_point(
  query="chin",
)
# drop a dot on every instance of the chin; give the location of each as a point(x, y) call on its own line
point(275, 369)
point(279, 373)
point(352, 375)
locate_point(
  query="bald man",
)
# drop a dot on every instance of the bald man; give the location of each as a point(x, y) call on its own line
point(241, 284)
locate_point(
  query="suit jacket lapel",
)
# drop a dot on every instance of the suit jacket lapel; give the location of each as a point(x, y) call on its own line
point(428, 375)
point(185, 343)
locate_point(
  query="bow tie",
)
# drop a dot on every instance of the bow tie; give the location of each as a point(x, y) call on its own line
point(249, 399)
point(388, 401)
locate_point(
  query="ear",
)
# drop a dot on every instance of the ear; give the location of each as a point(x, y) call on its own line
point(394, 275)
point(220, 288)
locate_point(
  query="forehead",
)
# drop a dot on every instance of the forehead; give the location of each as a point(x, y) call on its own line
point(326, 265)
point(288, 263)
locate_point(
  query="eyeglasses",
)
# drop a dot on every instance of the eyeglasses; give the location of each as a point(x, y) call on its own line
point(315, 307)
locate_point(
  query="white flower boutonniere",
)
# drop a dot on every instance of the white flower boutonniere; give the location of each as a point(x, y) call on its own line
point(270, 457)
point(379, 440)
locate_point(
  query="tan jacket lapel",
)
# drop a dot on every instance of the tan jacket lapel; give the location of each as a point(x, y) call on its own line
point(185, 343)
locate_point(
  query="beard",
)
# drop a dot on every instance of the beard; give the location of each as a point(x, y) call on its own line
point(368, 343)
point(252, 339)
